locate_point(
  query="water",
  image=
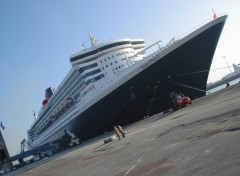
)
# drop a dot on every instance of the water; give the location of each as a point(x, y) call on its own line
point(233, 82)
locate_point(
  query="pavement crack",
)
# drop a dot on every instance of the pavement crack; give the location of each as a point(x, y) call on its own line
point(129, 170)
point(232, 129)
point(170, 129)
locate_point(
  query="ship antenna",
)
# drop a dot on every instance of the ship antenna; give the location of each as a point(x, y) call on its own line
point(34, 115)
point(93, 39)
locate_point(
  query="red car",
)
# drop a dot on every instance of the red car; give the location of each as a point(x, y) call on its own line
point(179, 100)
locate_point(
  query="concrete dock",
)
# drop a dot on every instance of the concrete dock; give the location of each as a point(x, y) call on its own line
point(201, 139)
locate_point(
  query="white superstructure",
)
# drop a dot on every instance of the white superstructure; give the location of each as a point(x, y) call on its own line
point(94, 71)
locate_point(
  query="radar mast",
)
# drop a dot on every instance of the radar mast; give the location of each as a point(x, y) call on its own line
point(93, 39)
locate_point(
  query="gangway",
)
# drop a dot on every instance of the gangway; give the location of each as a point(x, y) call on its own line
point(67, 140)
point(33, 151)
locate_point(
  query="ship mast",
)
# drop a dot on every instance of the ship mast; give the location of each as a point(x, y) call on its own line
point(93, 39)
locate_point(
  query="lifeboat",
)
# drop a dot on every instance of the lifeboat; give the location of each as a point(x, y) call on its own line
point(63, 107)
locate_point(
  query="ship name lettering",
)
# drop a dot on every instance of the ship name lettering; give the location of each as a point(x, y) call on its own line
point(150, 61)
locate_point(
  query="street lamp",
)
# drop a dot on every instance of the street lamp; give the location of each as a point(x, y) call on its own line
point(227, 64)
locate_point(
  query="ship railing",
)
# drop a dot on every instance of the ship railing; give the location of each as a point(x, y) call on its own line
point(154, 49)
point(158, 47)
point(191, 30)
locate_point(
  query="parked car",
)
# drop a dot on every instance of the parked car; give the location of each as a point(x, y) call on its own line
point(7, 169)
point(179, 100)
point(36, 157)
point(27, 162)
point(2, 171)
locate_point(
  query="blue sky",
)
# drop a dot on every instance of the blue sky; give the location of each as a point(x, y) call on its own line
point(38, 37)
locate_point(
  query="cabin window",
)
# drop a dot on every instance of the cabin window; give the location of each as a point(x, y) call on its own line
point(87, 67)
point(91, 73)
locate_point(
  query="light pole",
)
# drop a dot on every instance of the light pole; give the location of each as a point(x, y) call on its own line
point(227, 64)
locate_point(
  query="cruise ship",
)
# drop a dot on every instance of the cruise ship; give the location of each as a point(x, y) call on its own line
point(122, 81)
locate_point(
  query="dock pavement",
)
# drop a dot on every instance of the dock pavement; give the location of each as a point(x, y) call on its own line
point(200, 139)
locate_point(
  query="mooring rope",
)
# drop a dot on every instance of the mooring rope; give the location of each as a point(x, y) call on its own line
point(187, 86)
point(200, 71)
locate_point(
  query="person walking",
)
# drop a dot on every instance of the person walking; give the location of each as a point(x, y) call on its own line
point(227, 84)
point(115, 129)
point(121, 130)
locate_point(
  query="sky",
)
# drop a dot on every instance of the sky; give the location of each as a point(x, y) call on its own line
point(38, 37)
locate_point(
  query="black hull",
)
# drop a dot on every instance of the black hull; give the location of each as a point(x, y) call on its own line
point(148, 92)
point(137, 97)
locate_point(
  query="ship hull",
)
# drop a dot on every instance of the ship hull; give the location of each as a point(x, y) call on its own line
point(185, 69)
